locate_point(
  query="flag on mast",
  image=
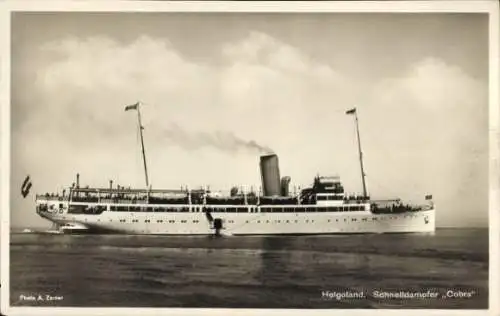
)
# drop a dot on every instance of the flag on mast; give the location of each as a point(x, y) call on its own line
point(351, 111)
point(132, 107)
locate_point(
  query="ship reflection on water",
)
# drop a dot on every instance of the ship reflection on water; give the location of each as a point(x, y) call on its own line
point(249, 272)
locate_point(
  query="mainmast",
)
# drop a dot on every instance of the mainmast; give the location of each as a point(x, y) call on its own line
point(137, 107)
point(353, 111)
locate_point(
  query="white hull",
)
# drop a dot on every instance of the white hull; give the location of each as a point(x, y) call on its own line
point(196, 223)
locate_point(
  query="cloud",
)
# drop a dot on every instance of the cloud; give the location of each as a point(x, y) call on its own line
point(83, 84)
point(263, 73)
point(259, 49)
point(262, 81)
point(421, 131)
point(433, 85)
point(441, 143)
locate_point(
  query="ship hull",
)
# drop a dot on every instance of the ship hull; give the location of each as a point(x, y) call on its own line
point(196, 223)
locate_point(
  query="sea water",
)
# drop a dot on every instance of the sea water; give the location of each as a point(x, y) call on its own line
point(446, 270)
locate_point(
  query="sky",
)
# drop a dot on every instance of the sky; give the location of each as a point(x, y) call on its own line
point(216, 86)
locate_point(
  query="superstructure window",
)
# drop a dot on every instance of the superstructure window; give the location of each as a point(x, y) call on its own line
point(86, 209)
point(171, 209)
point(237, 210)
point(76, 209)
point(329, 197)
point(119, 208)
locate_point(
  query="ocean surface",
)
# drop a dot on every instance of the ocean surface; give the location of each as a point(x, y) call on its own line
point(340, 271)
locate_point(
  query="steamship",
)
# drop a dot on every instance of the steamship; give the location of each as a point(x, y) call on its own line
point(321, 208)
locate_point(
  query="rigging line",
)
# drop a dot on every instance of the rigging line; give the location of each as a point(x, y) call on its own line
point(388, 191)
point(365, 193)
point(141, 128)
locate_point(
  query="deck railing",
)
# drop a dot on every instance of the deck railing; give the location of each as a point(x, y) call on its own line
point(52, 197)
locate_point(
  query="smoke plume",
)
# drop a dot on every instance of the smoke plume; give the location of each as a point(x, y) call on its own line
point(222, 140)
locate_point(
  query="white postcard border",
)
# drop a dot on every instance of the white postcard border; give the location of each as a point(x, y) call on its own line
point(490, 7)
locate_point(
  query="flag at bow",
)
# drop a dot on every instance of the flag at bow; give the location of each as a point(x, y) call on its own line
point(132, 107)
point(351, 111)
